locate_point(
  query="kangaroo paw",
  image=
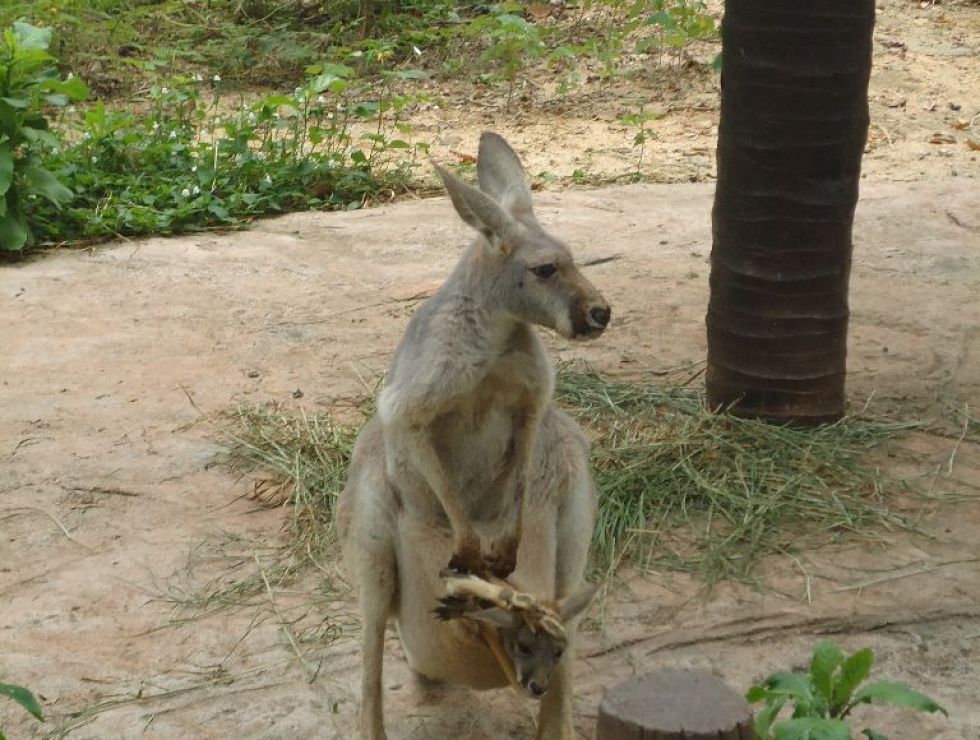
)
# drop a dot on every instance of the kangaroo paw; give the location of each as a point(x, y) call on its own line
point(503, 557)
point(467, 559)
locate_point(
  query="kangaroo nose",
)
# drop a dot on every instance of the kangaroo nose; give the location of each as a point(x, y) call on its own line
point(600, 316)
point(535, 689)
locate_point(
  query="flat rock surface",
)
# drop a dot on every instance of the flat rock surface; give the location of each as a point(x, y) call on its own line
point(113, 515)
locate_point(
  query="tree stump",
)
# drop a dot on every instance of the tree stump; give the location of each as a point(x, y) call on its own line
point(674, 704)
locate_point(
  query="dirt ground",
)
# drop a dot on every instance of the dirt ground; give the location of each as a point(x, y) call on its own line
point(111, 509)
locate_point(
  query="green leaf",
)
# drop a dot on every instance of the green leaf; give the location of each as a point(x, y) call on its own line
point(31, 37)
point(13, 236)
point(826, 657)
point(765, 717)
point(812, 728)
point(44, 183)
point(16, 102)
point(23, 697)
point(853, 672)
point(6, 167)
point(72, 88)
point(886, 692)
point(796, 686)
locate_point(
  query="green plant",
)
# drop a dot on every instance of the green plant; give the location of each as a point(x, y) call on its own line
point(643, 132)
point(187, 163)
point(826, 695)
point(675, 24)
point(29, 81)
point(23, 697)
point(512, 42)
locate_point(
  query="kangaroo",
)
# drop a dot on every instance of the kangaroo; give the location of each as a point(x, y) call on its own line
point(467, 445)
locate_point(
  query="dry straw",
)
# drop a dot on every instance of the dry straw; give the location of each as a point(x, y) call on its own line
point(680, 487)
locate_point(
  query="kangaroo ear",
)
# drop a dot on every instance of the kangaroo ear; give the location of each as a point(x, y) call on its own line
point(502, 175)
point(494, 616)
point(571, 606)
point(480, 210)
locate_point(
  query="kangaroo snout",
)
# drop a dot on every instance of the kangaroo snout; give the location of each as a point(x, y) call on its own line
point(599, 316)
point(590, 319)
point(534, 689)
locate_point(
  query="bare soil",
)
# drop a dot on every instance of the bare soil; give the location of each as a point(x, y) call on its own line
point(116, 360)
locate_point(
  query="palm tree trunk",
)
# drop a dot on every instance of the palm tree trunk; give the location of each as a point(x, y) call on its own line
point(794, 122)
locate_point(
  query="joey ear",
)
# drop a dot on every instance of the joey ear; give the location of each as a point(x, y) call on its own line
point(480, 210)
point(494, 616)
point(502, 174)
point(571, 606)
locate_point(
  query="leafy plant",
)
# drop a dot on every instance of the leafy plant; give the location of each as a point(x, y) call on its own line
point(825, 696)
point(675, 24)
point(188, 163)
point(643, 132)
point(29, 81)
point(512, 42)
point(23, 697)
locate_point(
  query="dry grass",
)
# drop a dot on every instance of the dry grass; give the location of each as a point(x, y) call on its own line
point(680, 488)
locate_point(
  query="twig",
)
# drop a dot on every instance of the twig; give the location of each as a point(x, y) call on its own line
point(600, 260)
point(53, 518)
point(956, 446)
point(903, 574)
point(311, 673)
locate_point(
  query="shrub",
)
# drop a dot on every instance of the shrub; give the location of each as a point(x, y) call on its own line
point(29, 82)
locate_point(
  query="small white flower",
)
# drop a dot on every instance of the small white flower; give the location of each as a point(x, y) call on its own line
point(251, 118)
point(196, 190)
point(95, 160)
point(173, 135)
point(267, 180)
point(320, 99)
point(417, 51)
point(216, 78)
point(164, 90)
point(298, 92)
point(86, 135)
point(70, 109)
point(198, 77)
point(185, 192)
point(194, 168)
point(156, 125)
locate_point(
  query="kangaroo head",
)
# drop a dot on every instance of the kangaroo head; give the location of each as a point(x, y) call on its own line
point(535, 654)
point(532, 274)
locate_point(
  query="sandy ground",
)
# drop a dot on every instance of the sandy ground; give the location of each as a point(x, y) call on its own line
point(105, 352)
point(111, 507)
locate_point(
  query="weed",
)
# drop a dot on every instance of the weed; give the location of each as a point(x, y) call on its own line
point(29, 82)
point(21, 696)
point(643, 134)
point(675, 24)
point(511, 42)
point(186, 163)
point(825, 696)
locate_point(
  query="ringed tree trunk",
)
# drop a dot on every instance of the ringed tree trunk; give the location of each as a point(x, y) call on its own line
point(794, 122)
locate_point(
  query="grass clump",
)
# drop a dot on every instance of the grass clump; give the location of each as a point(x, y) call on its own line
point(680, 488)
point(686, 489)
point(305, 457)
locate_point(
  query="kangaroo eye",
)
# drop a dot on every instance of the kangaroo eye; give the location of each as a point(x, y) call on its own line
point(544, 271)
point(558, 653)
point(523, 649)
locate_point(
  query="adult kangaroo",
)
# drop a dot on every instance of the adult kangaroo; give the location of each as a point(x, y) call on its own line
point(467, 446)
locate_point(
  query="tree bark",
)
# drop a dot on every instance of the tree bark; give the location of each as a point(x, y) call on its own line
point(794, 122)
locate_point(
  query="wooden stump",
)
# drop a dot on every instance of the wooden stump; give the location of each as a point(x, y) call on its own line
point(674, 704)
